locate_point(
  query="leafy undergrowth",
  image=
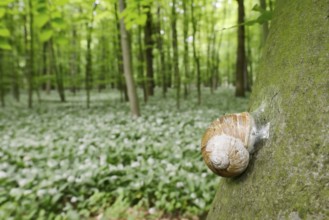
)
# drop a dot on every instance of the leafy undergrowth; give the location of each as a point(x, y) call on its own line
point(64, 161)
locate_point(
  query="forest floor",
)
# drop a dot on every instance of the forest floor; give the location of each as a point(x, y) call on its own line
point(64, 161)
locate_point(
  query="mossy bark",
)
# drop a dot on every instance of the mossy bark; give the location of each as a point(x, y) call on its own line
point(288, 176)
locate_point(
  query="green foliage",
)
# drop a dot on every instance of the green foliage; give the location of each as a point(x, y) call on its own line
point(135, 13)
point(63, 161)
point(4, 32)
point(41, 20)
point(60, 2)
point(4, 44)
point(2, 12)
point(264, 16)
point(5, 2)
point(46, 34)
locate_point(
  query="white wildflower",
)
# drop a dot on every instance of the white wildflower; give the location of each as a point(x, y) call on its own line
point(3, 174)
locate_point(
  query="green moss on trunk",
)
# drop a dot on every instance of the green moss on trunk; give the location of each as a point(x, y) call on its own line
point(288, 176)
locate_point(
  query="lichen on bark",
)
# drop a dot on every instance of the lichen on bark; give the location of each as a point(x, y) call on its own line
point(288, 176)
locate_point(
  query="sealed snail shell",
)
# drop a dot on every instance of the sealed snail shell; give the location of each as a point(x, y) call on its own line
point(227, 143)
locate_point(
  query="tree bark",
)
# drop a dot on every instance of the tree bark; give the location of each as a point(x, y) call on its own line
point(74, 60)
point(31, 57)
point(58, 71)
point(175, 53)
point(2, 84)
point(148, 41)
point(241, 54)
point(121, 85)
point(140, 63)
point(162, 66)
point(88, 62)
point(133, 100)
point(287, 177)
point(186, 49)
point(195, 55)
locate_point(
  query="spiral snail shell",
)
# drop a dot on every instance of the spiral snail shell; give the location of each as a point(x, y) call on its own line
point(227, 143)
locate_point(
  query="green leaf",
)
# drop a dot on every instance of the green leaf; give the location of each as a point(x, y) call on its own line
point(264, 17)
point(141, 20)
point(256, 7)
point(41, 20)
point(2, 12)
point(60, 2)
point(4, 32)
point(4, 44)
point(45, 35)
point(61, 40)
point(5, 2)
point(58, 23)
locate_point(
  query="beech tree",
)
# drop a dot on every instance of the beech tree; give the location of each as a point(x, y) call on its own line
point(287, 177)
point(127, 67)
point(241, 54)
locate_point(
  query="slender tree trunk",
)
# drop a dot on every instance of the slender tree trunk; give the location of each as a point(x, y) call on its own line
point(249, 62)
point(74, 62)
point(169, 64)
point(175, 53)
point(140, 68)
point(56, 67)
point(162, 66)
point(133, 100)
point(241, 54)
point(14, 61)
point(287, 176)
point(148, 41)
point(195, 55)
point(44, 64)
point(2, 86)
point(121, 84)
point(103, 64)
point(31, 57)
point(186, 48)
point(16, 89)
point(88, 63)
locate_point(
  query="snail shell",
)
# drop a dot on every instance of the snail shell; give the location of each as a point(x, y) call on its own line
point(227, 143)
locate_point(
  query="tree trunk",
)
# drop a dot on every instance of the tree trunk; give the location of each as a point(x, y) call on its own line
point(140, 64)
point(121, 84)
point(88, 63)
point(148, 41)
point(2, 84)
point(195, 55)
point(175, 53)
point(162, 66)
point(31, 57)
point(127, 67)
point(287, 177)
point(186, 49)
point(241, 54)
point(74, 60)
point(55, 66)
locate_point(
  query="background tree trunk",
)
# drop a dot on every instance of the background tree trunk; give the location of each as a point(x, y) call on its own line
point(175, 53)
point(287, 177)
point(241, 54)
point(31, 57)
point(127, 67)
point(148, 41)
point(195, 54)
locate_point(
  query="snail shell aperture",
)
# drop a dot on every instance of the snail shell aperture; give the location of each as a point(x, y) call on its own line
point(227, 143)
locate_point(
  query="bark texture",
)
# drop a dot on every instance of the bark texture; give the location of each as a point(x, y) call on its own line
point(241, 54)
point(127, 66)
point(288, 177)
